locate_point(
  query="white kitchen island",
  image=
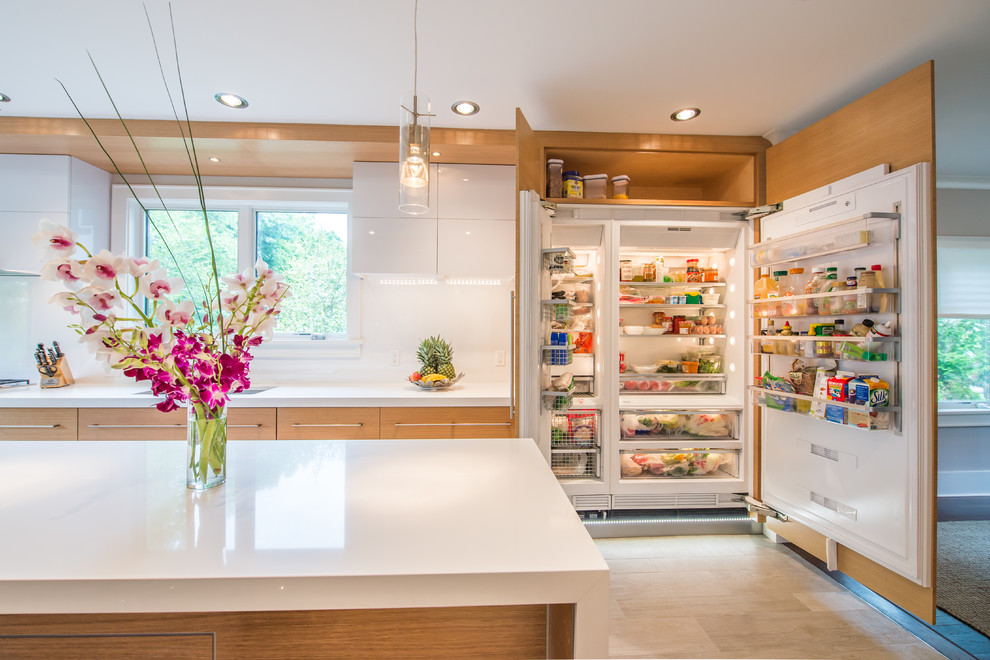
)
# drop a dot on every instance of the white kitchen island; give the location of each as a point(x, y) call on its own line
point(311, 549)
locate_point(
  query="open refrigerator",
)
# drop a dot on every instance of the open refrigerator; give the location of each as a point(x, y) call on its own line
point(680, 398)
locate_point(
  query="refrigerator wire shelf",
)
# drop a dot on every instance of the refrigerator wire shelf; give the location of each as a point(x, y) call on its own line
point(578, 429)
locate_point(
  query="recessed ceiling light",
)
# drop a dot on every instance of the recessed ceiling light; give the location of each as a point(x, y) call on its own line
point(684, 114)
point(435, 154)
point(4, 98)
point(466, 108)
point(214, 159)
point(231, 100)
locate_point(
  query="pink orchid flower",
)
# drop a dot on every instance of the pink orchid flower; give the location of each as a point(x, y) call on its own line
point(55, 240)
point(240, 281)
point(158, 285)
point(103, 267)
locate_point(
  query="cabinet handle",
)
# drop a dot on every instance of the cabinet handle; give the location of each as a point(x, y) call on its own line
point(30, 426)
point(324, 425)
point(136, 426)
point(512, 353)
point(452, 424)
point(243, 426)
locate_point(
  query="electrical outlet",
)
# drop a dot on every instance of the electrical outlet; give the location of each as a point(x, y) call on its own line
point(395, 358)
point(499, 358)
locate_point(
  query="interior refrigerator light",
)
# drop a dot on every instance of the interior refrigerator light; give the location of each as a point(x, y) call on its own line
point(732, 367)
point(732, 314)
point(732, 261)
point(732, 341)
point(732, 288)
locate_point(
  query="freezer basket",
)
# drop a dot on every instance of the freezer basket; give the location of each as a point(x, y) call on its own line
point(575, 463)
point(578, 429)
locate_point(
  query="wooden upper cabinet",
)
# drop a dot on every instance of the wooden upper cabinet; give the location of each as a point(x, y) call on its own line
point(892, 125)
point(670, 170)
point(37, 423)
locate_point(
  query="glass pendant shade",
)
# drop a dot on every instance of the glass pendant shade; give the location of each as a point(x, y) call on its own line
point(414, 155)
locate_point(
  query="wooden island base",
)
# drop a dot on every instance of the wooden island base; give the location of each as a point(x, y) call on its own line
point(507, 631)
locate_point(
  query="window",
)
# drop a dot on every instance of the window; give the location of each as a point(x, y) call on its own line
point(964, 319)
point(302, 234)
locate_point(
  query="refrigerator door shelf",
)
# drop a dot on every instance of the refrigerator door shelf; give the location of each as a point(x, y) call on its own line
point(847, 302)
point(850, 234)
point(863, 418)
point(853, 349)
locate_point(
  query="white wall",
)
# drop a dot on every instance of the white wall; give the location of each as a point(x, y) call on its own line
point(963, 452)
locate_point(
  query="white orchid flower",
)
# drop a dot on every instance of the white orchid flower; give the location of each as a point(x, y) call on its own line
point(138, 266)
point(65, 270)
point(176, 315)
point(67, 301)
point(103, 267)
point(157, 285)
point(55, 240)
point(100, 299)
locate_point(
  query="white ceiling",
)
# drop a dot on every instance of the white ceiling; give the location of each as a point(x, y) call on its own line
point(754, 67)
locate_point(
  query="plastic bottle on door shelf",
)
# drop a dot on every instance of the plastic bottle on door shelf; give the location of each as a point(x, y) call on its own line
point(760, 293)
point(886, 304)
point(810, 287)
point(885, 329)
point(767, 346)
point(793, 287)
point(773, 292)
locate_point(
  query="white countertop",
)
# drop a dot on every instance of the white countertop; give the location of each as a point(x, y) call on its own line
point(111, 527)
point(103, 394)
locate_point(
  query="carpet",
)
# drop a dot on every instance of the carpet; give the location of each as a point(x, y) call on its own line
point(962, 586)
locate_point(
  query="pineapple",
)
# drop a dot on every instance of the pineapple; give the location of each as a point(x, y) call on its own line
point(426, 356)
point(444, 354)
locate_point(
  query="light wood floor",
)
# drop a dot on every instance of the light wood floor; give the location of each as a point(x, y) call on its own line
point(738, 597)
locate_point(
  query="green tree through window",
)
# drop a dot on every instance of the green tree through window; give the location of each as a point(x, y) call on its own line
point(963, 359)
point(185, 235)
point(310, 249)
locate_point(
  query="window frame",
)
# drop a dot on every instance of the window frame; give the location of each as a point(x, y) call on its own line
point(128, 228)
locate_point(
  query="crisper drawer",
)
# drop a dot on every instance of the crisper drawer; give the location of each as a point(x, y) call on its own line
point(709, 464)
point(679, 425)
point(672, 383)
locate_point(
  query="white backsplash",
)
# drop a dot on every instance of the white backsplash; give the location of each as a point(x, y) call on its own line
point(474, 319)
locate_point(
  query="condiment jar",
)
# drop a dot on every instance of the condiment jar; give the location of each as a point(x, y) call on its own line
point(573, 184)
point(555, 178)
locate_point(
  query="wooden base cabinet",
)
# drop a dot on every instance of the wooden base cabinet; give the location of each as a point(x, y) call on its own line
point(482, 422)
point(327, 423)
point(505, 631)
point(37, 423)
point(152, 424)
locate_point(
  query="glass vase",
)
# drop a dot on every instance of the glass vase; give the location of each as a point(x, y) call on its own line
point(206, 446)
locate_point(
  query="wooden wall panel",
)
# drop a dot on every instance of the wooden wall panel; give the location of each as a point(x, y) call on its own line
point(894, 124)
point(516, 631)
point(916, 599)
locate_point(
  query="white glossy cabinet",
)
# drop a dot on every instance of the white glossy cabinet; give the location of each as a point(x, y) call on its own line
point(476, 192)
point(376, 192)
point(476, 248)
point(474, 236)
point(57, 188)
point(394, 245)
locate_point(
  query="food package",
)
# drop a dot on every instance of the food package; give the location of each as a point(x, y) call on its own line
point(821, 391)
point(583, 342)
point(629, 467)
point(714, 425)
point(778, 384)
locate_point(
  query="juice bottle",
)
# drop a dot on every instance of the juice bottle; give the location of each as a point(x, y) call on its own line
point(824, 286)
point(760, 292)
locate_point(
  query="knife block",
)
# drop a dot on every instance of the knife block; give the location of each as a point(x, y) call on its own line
point(57, 375)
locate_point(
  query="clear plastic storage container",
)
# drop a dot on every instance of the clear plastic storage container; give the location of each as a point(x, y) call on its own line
point(620, 187)
point(595, 186)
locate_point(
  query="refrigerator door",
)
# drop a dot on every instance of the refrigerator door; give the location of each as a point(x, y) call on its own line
point(860, 475)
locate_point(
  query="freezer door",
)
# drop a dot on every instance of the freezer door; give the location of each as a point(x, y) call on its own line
point(862, 479)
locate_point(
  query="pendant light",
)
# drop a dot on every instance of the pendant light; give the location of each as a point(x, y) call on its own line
point(414, 142)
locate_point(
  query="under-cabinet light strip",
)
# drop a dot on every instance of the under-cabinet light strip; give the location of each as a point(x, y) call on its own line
point(651, 521)
point(407, 282)
point(473, 282)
